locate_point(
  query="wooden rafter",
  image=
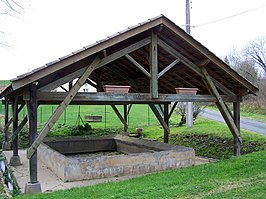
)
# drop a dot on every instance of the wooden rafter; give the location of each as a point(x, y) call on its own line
point(167, 68)
point(106, 60)
point(191, 65)
point(60, 109)
point(141, 68)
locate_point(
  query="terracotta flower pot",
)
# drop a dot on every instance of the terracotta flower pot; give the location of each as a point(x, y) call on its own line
point(188, 91)
point(116, 89)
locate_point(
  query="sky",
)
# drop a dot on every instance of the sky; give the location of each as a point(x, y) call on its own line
point(47, 30)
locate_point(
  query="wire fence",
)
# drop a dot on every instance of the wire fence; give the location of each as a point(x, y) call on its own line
point(139, 115)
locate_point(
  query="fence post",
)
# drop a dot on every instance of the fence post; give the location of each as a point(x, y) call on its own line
point(148, 115)
point(105, 116)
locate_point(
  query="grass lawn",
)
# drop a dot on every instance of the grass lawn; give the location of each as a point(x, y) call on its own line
point(247, 114)
point(242, 177)
point(209, 138)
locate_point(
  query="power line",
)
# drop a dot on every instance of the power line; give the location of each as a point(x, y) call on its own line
point(231, 16)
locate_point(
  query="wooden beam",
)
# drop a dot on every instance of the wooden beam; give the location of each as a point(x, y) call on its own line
point(154, 65)
point(106, 60)
point(221, 105)
point(11, 119)
point(126, 98)
point(195, 44)
point(191, 65)
point(167, 68)
point(88, 81)
point(121, 53)
point(133, 61)
point(60, 109)
point(119, 115)
point(159, 117)
point(130, 80)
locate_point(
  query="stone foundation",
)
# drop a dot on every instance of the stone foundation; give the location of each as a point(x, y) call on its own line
point(139, 156)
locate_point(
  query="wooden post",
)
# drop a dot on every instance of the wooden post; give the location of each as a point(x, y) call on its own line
point(6, 119)
point(33, 186)
point(32, 109)
point(125, 118)
point(15, 159)
point(166, 120)
point(6, 143)
point(154, 66)
point(237, 145)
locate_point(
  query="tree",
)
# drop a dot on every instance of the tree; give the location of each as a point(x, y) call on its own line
point(243, 66)
point(255, 52)
point(8, 8)
point(181, 110)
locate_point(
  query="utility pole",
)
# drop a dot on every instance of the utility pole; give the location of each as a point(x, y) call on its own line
point(189, 105)
point(188, 16)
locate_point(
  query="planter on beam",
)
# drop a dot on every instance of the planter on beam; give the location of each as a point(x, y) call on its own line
point(116, 89)
point(187, 91)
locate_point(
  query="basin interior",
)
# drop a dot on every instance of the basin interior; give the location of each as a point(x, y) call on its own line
point(96, 146)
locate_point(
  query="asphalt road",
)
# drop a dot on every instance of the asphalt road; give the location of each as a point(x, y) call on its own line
point(251, 125)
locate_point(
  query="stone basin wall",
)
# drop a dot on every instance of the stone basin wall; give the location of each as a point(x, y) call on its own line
point(141, 156)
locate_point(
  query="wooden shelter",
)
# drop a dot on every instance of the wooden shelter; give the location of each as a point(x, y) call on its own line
point(153, 57)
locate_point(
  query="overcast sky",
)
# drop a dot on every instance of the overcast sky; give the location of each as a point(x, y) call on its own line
point(50, 29)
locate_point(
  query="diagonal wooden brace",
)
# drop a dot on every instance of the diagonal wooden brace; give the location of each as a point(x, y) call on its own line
point(11, 119)
point(60, 109)
point(20, 127)
point(221, 105)
point(119, 115)
point(159, 117)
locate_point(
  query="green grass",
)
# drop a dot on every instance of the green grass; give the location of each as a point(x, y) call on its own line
point(4, 82)
point(249, 114)
point(209, 138)
point(242, 177)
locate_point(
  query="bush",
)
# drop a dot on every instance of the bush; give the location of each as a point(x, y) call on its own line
point(80, 130)
point(214, 146)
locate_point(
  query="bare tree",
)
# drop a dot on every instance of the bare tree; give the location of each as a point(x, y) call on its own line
point(8, 8)
point(255, 51)
point(181, 110)
point(243, 66)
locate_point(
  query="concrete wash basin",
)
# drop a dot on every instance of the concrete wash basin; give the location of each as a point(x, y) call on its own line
point(80, 158)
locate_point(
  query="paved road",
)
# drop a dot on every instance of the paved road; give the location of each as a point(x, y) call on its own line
point(251, 125)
